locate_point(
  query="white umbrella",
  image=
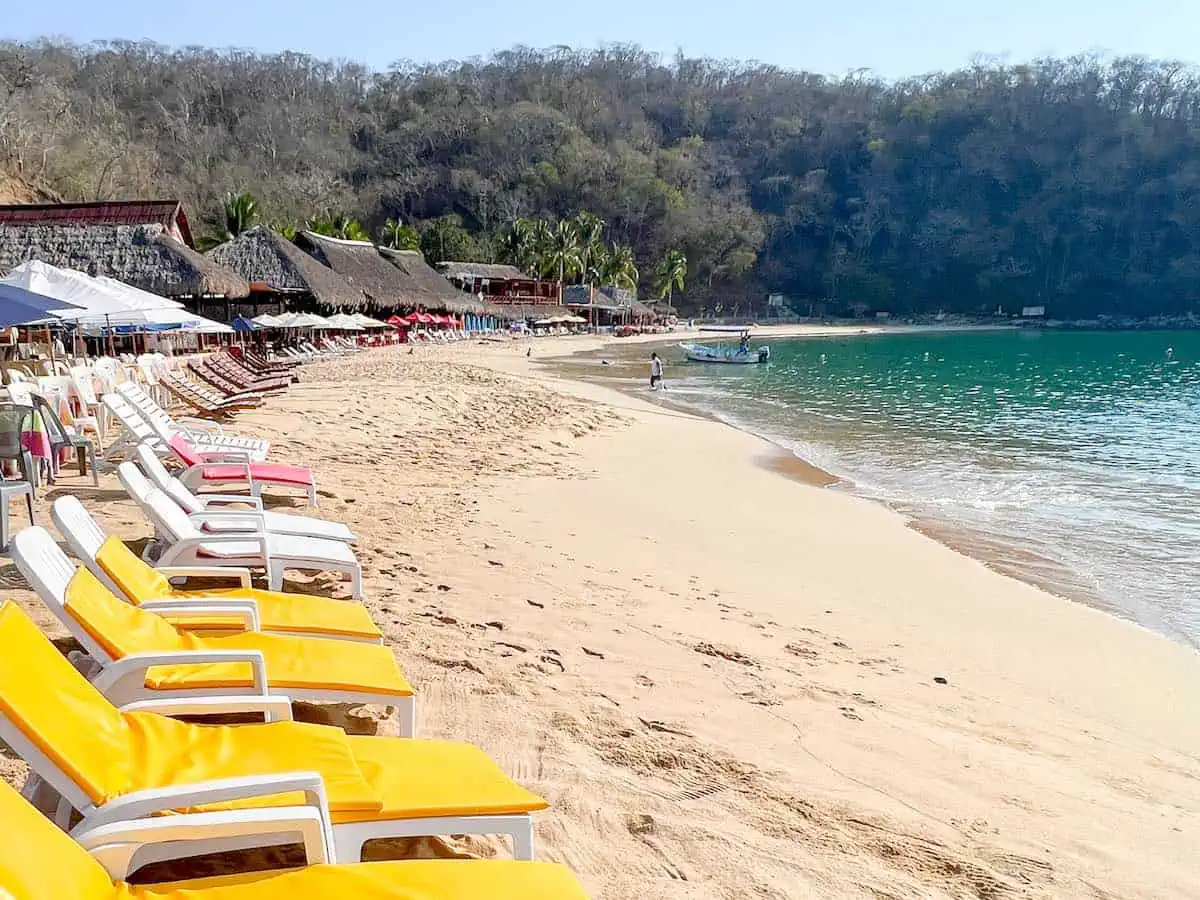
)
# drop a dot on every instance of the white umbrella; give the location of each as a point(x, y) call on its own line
point(368, 322)
point(344, 322)
point(266, 320)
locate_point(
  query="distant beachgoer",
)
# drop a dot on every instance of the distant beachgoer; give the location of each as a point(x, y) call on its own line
point(528, 352)
point(656, 372)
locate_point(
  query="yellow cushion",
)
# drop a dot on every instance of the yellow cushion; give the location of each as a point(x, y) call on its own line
point(426, 879)
point(59, 711)
point(137, 579)
point(166, 751)
point(285, 613)
point(39, 861)
point(295, 662)
point(278, 611)
point(418, 778)
point(292, 662)
point(121, 629)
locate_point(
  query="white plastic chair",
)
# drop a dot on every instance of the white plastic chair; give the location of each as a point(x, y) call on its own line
point(184, 540)
point(222, 521)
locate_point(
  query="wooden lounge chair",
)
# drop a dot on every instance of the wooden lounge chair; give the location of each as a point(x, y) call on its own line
point(111, 764)
point(127, 575)
point(39, 860)
point(139, 655)
point(208, 405)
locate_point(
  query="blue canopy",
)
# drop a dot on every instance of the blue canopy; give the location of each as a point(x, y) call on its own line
point(19, 306)
point(241, 323)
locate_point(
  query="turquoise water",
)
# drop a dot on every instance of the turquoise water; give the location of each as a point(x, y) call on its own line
point(1071, 459)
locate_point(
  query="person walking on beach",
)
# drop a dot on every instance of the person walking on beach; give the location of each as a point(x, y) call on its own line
point(656, 370)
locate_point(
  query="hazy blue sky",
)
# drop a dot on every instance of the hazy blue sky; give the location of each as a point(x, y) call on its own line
point(892, 37)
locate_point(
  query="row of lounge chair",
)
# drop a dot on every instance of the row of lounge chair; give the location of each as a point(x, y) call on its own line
point(132, 776)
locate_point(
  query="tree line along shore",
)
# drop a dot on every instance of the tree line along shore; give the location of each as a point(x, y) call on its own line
point(1064, 183)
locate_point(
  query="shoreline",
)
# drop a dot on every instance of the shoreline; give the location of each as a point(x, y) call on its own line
point(1011, 560)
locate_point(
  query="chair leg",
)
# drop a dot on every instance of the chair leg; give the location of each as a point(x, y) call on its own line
point(4, 521)
point(29, 505)
point(91, 452)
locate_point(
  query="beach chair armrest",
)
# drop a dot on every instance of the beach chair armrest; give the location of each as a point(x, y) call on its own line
point(223, 455)
point(116, 845)
point(243, 520)
point(221, 499)
point(139, 804)
point(242, 537)
point(138, 664)
point(274, 707)
point(215, 572)
point(246, 610)
point(202, 427)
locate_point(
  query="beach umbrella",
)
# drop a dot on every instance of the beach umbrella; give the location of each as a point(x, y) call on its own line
point(241, 323)
point(397, 322)
point(19, 306)
point(266, 320)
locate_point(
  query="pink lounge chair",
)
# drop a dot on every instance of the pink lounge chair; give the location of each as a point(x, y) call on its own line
point(227, 466)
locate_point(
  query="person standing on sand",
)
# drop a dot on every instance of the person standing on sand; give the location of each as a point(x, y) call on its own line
point(656, 372)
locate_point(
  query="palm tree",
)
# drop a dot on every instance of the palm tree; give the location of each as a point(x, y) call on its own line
point(339, 226)
point(590, 229)
point(541, 236)
point(562, 253)
point(620, 268)
point(398, 236)
point(519, 242)
point(671, 274)
point(239, 213)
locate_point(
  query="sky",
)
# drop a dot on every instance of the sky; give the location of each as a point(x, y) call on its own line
point(893, 38)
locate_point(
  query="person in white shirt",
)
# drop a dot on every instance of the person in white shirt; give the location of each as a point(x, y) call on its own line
point(656, 372)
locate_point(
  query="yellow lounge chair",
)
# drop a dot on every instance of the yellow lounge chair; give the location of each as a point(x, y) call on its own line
point(39, 862)
point(126, 574)
point(109, 765)
point(142, 655)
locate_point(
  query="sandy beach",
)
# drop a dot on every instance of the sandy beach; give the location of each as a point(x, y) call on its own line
point(728, 683)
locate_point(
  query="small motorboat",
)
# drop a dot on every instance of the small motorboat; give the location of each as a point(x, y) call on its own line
point(730, 355)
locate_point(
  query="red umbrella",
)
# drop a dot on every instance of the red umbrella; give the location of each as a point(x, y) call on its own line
point(397, 322)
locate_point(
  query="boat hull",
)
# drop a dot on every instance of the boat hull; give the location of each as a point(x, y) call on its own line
point(702, 354)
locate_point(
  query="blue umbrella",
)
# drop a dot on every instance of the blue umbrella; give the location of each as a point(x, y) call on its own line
point(241, 323)
point(19, 306)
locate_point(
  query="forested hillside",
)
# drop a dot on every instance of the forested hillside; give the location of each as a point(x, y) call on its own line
point(1070, 183)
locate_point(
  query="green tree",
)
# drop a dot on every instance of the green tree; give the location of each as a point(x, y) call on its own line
point(562, 258)
point(519, 245)
point(340, 226)
point(239, 213)
point(620, 268)
point(671, 275)
point(398, 236)
point(287, 229)
point(445, 238)
point(589, 231)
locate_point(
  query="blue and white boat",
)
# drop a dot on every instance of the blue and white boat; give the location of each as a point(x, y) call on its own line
point(730, 355)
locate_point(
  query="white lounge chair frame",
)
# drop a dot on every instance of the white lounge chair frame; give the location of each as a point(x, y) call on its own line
point(184, 542)
point(85, 537)
point(195, 504)
point(48, 570)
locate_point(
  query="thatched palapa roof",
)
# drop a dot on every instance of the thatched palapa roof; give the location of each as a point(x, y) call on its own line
point(141, 255)
point(425, 287)
point(467, 271)
point(264, 256)
point(360, 264)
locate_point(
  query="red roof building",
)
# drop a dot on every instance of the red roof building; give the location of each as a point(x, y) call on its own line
point(167, 213)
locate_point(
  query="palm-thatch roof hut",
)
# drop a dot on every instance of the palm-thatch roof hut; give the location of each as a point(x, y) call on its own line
point(274, 265)
point(359, 263)
point(424, 287)
point(470, 271)
point(145, 256)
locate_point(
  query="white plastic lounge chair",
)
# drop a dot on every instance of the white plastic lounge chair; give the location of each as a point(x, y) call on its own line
point(135, 653)
point(185, 542)
point(203, 433)
point(126, 575)
point(39, 860)
point(227, 521)
point(114, 764)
